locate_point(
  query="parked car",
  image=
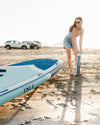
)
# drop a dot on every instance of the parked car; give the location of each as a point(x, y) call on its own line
point(33, 44)
point(16, 44)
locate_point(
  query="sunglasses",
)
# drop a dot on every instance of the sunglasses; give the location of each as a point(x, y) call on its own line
point(77, 22)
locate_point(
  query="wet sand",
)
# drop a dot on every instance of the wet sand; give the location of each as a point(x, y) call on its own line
point(63, 99)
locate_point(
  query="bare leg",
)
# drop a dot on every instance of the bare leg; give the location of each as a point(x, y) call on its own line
point(75, 54)
point(69, 60)
point(75, 58)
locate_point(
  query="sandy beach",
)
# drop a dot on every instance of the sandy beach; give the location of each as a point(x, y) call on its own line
point(63, 99)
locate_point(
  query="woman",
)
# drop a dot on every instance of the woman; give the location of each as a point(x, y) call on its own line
point(70, 41)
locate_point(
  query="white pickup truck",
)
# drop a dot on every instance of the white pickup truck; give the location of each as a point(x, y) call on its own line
point(16, 44)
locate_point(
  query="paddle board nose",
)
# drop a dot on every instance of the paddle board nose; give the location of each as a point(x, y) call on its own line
point(17, 79)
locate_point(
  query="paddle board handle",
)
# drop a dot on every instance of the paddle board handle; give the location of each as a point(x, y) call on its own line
point(2, 70)
point(79, 54)
point(1, 74)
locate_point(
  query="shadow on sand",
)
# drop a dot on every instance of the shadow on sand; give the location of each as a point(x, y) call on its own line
point(74, 91)
point(70, 91)
point(23, 104)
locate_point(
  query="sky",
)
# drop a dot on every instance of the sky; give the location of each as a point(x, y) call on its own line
point(48, 21)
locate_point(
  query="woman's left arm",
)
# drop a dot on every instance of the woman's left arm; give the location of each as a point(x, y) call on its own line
point(80, 40)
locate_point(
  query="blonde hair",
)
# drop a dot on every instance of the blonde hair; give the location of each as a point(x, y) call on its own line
point(74, 24)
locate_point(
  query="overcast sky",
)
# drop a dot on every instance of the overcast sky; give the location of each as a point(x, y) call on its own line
point(48, 21)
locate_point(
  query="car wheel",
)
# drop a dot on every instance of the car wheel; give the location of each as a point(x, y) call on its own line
point(24, 47)
point(35, 47)
point(8, 47)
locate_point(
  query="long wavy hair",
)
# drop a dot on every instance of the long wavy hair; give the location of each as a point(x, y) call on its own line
point(74, 24)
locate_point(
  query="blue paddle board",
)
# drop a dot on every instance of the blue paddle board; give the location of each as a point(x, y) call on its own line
point(19, 78)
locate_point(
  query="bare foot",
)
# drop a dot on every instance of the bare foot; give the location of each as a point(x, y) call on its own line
point(71, 73)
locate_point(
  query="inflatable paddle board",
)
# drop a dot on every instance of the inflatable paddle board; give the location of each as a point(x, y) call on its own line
point(17, 79)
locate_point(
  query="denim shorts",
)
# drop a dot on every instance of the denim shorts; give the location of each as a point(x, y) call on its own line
point(67, 43)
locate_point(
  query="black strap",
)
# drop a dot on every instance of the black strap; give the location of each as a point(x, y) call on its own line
point(1, 74)
point(2, 70)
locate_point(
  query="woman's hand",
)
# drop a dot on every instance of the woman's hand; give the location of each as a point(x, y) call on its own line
point(76, 51)
point(81, 51)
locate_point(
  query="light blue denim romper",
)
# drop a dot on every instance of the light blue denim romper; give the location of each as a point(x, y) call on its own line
point(67, 43)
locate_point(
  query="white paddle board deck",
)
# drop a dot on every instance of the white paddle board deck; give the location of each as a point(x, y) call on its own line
point(17, 79)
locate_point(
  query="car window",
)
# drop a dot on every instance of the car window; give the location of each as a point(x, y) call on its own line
point(11, 41)
point(8, 42)
point(17, 42)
